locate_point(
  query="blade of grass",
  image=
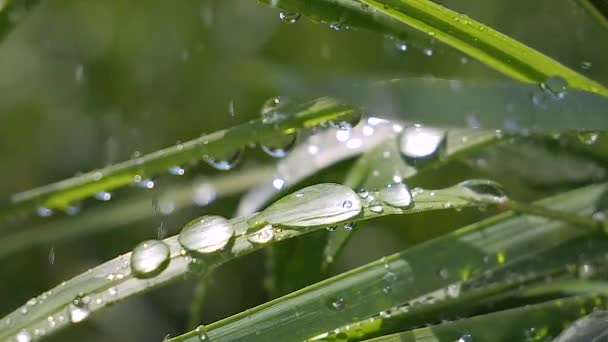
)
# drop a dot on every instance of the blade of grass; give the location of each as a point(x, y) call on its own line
point(598, 9)
point(402, 277)
point(61, 194)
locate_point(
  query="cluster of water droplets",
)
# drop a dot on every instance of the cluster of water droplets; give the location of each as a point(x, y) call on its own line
point(395, 195)
point(554, 88)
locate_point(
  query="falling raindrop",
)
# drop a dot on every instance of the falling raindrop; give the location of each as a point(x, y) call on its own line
point(79, 309)
point(317, 205)
point(227, 162)
point(52, 255)
point(419, 143)
point(79, 73)
point(289, 18)
point(206, 234)
point(103, 196)
point(149, 258)
point(262, 236)
point(396, 195)
point(231, 110)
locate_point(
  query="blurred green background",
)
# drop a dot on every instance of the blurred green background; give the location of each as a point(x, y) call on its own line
point(84, 84)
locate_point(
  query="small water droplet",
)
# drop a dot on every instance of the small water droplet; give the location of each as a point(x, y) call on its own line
point(331, 228)
point(262, 236)
point(44, 212)
point(363, 193)
point(103, 196)
point(375, 206)
point(349, 226)
point(79, 309)
point(225, 163)
point(177, 170)
point(419, 143)
point(337, 304)
point(149, 258)
point(289, 18)
point(588, 138)
point(401, 45)
point(146, 184)
point(586, 65)
point(335, 26)
point(206, 234)
point(201, 333)
point(556, 86)
point(465, 338)
point(280, 145)
point(427, 51)
point(396, 195)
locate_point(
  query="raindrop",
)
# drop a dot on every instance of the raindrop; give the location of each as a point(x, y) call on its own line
point(146, 184)
point(226, 163)
point(231, 110)
point(79, 309)
point(586, 271)
point(79, 73)
point(103, 196)
point(427, 51)
point(289, 18)
point(396, 195)
point(465, 338)
point(262, 236)
point(335, 26)
point(149, 258)
point(588, 138)
point(278, 183)
point(52, 255)
point(201, 332)
point(556, 86)
point(422, 143)
point(269, 111)
point(206, 234)
point(204, 194)
point(23, 336)
point(44, 212)
point(337, 304)
point(279, 146)
point(177, 170)
point(484, 189)
point(317, 205)
point(401, 45)
point(363, 193)
point(349, 226)
point(331, 228)
point(586, 65)
point(375, 206)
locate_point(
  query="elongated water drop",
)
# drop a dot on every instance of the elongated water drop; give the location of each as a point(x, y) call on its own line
point(484, 189)
point(419, 143)
point(396, 195)
point(227, 162)
point(289, 18)
point(79, 309)
point(177, 170)
point(103, 196)
point(44, 212)
point(149, 258)
point(262, 236)
point(319, 205)
point(206, 234)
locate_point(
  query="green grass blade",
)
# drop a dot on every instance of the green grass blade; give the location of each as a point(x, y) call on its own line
point(598, 9)
point(61, 194)
point(402, 277)
point(537, 322)
point(113, 281)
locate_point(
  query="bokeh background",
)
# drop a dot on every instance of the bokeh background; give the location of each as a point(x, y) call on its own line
point(84, 84)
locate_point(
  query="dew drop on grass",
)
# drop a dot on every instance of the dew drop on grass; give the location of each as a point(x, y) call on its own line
point(349, 226)
point(227, 162)
point(262, 236)
point(44, 212)
point(149, 258)
point(316, 205)
point(23, 336)
point(363, 193)
point(588, 138)
point(465, 338)
point(401, 45)
point(484, 189)
point(103, 196)
point(337, 303)
point(201, 333)
point(556, 86)
point(421, 143)
point(396, 195)
point(375, 206)
point(280, 145)
point(177, 170)
point(206, 234)
point(79, 309)
point(289, 18)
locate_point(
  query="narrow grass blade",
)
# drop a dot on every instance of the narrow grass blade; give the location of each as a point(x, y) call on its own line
point(59, 195)
point(403, 277)
point(598, 9)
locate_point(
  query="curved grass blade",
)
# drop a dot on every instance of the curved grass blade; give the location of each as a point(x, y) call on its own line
point(129, 210)
point(59, 195)
point(537, 322)
point(399, 278)
point(598, 9)
point(114, 280)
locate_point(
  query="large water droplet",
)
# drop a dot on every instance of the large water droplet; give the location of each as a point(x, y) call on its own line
point(201, 333)
point(227, 162)
point(262, 236)
point(421, 143)
point(396, 195)
point(317, 205)
point(484, 189)
point(23, 336)
point(206, 234)
point(280, 145)
point(79, 309)
point(149, 258)
point(270, 109)
point(289, 18)
point(556, 86)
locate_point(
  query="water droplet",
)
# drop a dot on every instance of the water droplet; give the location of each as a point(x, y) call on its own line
point(317, 205)
point(231, 110)
point(206, 234)
point(586, 271)
point(465, 338)
point(44, 212)
point(396, 195)
point(453, 290)
point(278, 183)
point(204, 194)
point(103, 196)
point(427, 51)
point(146, 184)
point(331, 228)
point(401, 45)
point(375, 206)
point(444, 273)
point(79, 309)
point(226, 163)
point(177, 170)
point(337, 304)
point(262, 236)
point(23, 336)
point(556, 86)
point(588, 138)
point(201, 333)
point(149, 258)
point(484, 189)
point(586, 65)
point(270, 109)
point(335, 26)
point(363, 193)
point(289, 18)
point(421, 143)
point(52, 255)
point(349, 226)
point(279, 146)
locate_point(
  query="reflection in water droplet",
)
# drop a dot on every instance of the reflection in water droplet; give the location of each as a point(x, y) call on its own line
point(226, 163)
point(23, 336)
point(421, 143)
point(262, 236)
point(149, 258)
point(289, 18)
point(279, 146)
point(556, 86)
point(375, 206)
point(396, 195)
point(79, 309)
point(206, 234)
